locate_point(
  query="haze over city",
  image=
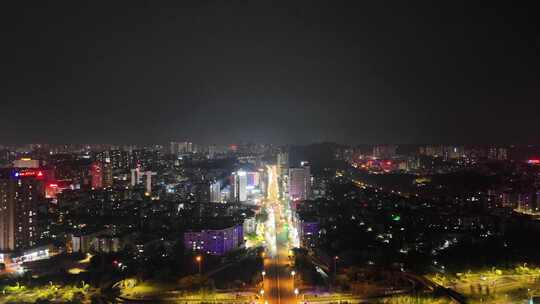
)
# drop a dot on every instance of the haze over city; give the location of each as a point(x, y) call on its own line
point(269, 152)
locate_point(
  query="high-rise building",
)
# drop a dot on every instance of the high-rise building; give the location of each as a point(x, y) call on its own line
point(20, 192)
point(5, 156)
point(96, 174)
point(282, 163)
point(240, 186)
point(215, 151)
point(454, 152)
point(118, 159)
point(107, 174)
point(146, 158)
point(253, 179)
point(502, 154)
point(282, 171)
point(300, 182)
point(137, 176)
point(215, 192)
point(181, 147)
point(433, 151)
point(498, 153)
point(384, 152)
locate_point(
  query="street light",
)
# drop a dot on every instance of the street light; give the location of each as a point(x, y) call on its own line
point(296, 292)
point(199, 262)
point(336, 258)
point(262, 292)
point(293, 273)
point(263, 274)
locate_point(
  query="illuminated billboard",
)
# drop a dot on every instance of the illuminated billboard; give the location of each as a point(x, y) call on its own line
point(29, 173)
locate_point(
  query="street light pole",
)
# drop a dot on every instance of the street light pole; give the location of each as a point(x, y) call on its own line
point(336, 258)
point(293, 273)
point(199, 261)
point(263, 274)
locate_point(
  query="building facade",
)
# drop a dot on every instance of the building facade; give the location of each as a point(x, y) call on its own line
point(96, 175)
point(215, 192)
point(214, 241)
point(300, 183)
point(20, 192)
point(240, 186)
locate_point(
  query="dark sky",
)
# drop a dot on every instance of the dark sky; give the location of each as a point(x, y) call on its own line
point(281, 72)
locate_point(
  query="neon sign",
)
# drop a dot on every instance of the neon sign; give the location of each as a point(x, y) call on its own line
point(29, 173)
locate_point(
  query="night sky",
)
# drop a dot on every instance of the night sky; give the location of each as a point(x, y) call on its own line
point(261, 71)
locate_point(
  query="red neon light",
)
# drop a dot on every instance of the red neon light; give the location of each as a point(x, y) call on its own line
point(53, 185)
point(27, 173)
point(534, 161)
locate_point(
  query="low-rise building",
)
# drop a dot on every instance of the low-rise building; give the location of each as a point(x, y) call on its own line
point(214, 241)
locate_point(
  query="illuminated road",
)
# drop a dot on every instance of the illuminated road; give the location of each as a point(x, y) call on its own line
point(278, 283)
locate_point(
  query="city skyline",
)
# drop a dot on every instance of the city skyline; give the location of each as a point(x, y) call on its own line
point(278, 223)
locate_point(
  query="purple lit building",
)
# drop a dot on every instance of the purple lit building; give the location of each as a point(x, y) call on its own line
point(253, 179)
point(309, 233)
point(214, 241)
point(300, 183)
